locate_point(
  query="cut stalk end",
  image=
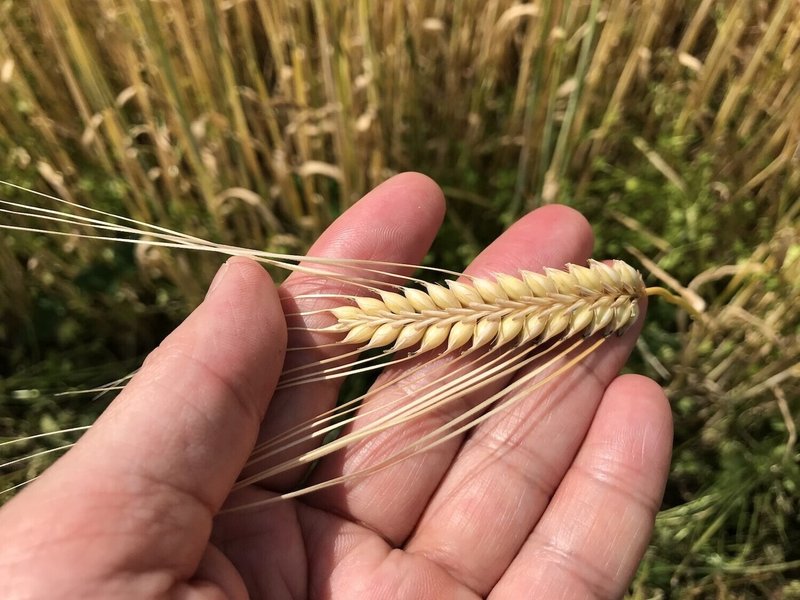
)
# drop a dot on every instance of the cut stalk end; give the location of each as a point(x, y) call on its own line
point(695, 308)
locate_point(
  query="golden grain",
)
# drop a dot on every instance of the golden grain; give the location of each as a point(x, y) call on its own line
point(532, 308)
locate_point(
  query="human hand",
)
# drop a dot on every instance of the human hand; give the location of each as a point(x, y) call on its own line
point(553, 498)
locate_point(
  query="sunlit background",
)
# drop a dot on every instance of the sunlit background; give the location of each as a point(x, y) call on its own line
point(671, 124)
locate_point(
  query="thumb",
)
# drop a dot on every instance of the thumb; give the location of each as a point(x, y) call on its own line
point(139, 490)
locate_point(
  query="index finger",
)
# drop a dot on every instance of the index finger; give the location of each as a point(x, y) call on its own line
point(395, 222)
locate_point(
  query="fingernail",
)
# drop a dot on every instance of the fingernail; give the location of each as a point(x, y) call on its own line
point(217, 279)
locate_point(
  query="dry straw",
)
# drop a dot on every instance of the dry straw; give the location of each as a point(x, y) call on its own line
point(535, 325)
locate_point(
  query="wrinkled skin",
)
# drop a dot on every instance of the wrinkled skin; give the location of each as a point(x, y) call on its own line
point(554, 498)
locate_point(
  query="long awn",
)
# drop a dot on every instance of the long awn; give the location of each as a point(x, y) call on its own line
point(484, 330)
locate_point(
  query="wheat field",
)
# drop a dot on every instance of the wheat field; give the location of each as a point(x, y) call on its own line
point(673, 126)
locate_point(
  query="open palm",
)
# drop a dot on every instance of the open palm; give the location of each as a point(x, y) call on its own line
point(553, 498)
